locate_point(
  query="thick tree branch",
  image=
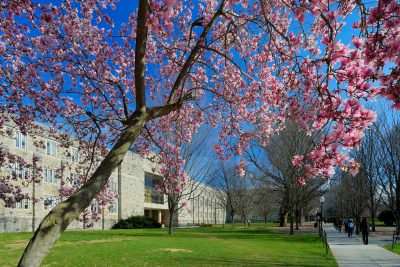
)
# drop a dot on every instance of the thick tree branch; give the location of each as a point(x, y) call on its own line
point(140, 54)
point(192, 56)
point(160, 111)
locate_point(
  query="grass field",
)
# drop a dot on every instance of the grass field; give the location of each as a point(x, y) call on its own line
point(215, 246)
point(396, 248)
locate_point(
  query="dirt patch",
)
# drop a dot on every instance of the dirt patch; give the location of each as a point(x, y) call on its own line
point(383, 231)
point(16, 245)
point(94, 241)
point(305, 228)
point(175, 250)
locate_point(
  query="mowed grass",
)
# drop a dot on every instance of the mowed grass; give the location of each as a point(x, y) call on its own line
point(256, 245)
point(396, 248)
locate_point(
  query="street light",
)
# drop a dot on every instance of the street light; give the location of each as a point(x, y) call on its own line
point(321, 200)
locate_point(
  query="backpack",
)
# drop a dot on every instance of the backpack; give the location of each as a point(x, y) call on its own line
point(351, 225)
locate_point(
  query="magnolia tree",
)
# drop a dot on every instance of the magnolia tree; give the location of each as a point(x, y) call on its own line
point(241, 66)
point(197, 165)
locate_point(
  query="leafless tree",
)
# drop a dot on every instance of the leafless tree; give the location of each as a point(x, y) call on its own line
point(369, 157)
point(352, 195)
point(387, 131)
point(234, 191)
point(263, 202)
point(274, 166)
point(199, 165)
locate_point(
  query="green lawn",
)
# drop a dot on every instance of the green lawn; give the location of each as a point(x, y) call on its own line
point(396, 248)
point(215, 246)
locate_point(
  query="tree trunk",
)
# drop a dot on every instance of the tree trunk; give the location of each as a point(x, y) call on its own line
point(357, 223)
point(51, 227)
point(397, 212)
point(373, 222)
point(171, 223)
point(282, 217)
point(297, 218)
point(171, 208)
point(291, 223)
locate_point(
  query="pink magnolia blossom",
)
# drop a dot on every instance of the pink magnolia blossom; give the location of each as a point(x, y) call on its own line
point(242, 67)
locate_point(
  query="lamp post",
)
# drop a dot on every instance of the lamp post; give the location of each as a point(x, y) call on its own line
point(321, 201)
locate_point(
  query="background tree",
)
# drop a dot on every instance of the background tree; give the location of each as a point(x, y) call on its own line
point(198, 164)
point(386, 131)
point(277, 170)
point(231, 190)
point(354, 193)
point(369, 158)
point(263, 202)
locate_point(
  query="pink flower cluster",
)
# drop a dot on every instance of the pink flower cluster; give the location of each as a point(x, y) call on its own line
point(242, 67)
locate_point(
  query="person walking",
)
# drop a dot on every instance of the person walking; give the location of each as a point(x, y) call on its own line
point(339, 225)
point(364, 230)
point(350, 228)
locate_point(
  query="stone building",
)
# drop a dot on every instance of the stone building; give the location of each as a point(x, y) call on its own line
point(133, 181)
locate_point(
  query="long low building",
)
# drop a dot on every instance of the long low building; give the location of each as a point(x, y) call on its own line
point(133, 182)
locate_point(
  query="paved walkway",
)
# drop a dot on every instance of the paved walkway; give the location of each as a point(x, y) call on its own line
point(352, 251)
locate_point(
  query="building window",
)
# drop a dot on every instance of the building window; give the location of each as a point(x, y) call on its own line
point(114, 187)
point(23, 204)
point(50, 202)
point(51, 148)
point(112, 208)
point(50, 176)
point(73, 180)
point(20, 140)
point(148, 182)
point(18, 172)
point(95, 207)
point(74, 154)
point(151, 195)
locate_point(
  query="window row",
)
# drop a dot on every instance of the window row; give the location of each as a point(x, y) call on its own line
point(50, 147)
point(112, 208)
point(49, 202)
point(50, 176)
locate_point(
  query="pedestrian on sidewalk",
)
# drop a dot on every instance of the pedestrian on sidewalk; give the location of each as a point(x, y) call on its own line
point(350, 228)
point(339, 225)
point(364, 230)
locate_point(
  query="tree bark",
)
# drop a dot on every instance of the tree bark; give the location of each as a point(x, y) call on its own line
point(291, 223)
point(282, 216)
point(52, 226)
point(171, 223)
point(172, 209)
point(397, 211)
point(373, 222)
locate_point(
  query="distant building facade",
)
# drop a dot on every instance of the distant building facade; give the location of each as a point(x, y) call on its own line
point(132, 181)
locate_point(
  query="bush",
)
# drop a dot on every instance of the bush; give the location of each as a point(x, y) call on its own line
point(135, 222)
point(387, 217)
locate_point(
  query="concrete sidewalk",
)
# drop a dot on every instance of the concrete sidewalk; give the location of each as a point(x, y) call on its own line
point(352, 251)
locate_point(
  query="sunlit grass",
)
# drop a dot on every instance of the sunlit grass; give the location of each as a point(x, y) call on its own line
point(216, 246)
